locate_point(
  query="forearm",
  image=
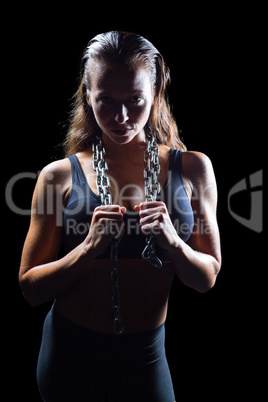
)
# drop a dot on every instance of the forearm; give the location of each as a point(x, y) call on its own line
point(195, 269)
point(45, 282)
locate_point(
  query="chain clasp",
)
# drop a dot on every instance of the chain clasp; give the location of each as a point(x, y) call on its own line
point(149, 253)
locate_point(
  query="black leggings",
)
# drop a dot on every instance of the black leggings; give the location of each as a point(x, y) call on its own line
point(79, 365)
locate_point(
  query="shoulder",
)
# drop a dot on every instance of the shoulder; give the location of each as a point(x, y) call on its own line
point(57, 168)
point(196, 162)
point(55, 177)
point(57, 171)
point(197, 168)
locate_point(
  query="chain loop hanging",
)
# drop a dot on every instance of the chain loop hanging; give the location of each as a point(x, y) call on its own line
point(104, 192)
point(152, 188)
point(100, 166)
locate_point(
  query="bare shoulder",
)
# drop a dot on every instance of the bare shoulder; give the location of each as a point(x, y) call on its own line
point(57, 171)
point(196, 166)
point(55, 176)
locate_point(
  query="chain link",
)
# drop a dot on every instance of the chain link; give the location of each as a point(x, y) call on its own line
point(104, 192)
point(152, 188)
point(100, 166)
point(152, 170)
point(116, 299)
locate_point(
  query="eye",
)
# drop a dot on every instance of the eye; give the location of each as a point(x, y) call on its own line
point(106, 99)
point(136, 99)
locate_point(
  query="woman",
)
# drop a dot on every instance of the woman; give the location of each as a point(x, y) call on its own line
point(104, 336)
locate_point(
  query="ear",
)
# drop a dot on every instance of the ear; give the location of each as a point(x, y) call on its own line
point(153, 99)
point(88, 98)
point(154, 95)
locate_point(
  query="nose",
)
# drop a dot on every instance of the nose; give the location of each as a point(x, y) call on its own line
point(121, 115)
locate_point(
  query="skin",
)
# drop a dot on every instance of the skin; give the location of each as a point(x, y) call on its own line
point(121, 100)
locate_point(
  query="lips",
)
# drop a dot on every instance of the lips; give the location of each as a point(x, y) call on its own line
point(121, 131)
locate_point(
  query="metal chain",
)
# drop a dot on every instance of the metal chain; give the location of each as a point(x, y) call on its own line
point(116, 299)
point(104, 192)
point(100, 166)
point(152, 188)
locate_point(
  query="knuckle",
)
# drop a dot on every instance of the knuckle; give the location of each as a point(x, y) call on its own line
point(142, 214)
point(98, 214)
point(158, 227)
point(160, 216)
point(143, 205)
point(114, 207)
point(164, 209)
point(99, 208)
point(102, 221)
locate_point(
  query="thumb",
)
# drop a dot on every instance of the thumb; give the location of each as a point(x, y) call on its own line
point(123, 210)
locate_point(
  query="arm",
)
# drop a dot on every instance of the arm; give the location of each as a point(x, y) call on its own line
point(198, 262)
point(42, 276)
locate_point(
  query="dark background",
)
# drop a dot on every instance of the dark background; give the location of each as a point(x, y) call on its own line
point(215, 57)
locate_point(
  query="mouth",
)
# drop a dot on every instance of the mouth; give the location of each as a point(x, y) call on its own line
point(122, 131)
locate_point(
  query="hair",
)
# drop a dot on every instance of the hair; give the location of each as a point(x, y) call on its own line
point(113, 48)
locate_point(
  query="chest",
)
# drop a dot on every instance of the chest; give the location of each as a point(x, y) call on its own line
point(127, 183)
point(127, 189)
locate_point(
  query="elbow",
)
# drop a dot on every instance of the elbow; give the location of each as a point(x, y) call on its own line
point(30, 297)
point(211, 278)
point(29, 291)
point(206, 286)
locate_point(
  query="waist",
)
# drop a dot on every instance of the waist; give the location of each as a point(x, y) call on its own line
point(144, 292)
point(132, 248)
point(63, 323)
point(145, 346)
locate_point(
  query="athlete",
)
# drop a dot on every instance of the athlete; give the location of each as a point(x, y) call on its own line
point(113, 223)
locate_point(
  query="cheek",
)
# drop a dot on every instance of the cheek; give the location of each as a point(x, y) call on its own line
point(104, 114)
point(140, 115)
point(101, 114)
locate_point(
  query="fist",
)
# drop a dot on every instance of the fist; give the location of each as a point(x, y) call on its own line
point(107, 225)
point(155, 220)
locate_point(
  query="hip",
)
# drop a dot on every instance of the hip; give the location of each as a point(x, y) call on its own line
point(78, 364)
point(65, 343)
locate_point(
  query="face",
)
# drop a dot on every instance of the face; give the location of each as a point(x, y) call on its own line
point(121, 100)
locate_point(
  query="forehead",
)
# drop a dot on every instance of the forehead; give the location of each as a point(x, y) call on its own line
point(115, 79)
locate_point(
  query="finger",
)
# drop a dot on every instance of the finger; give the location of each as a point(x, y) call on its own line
point(158, 216)
point(154, 228)
point(144, 205)
point(150, 204)
point(100, 215)
point(112, 208)
point(123, 210)
point(137, 208)
point(150, 211)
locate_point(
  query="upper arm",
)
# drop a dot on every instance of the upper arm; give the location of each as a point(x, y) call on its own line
point(198, 172)
point(43, 239)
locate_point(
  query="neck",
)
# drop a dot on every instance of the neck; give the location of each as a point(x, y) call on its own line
point(129, 152)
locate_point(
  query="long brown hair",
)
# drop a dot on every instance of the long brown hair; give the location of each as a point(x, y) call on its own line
point(117, 47)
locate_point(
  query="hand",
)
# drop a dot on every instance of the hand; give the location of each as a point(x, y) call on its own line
point(107, 224)
point(155, 219)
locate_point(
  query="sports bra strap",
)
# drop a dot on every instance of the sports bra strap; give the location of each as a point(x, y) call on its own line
point(78, 176)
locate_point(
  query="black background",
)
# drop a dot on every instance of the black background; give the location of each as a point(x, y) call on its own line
point(215, 57)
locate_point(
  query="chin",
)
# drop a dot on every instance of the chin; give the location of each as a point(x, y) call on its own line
point(120, 139)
